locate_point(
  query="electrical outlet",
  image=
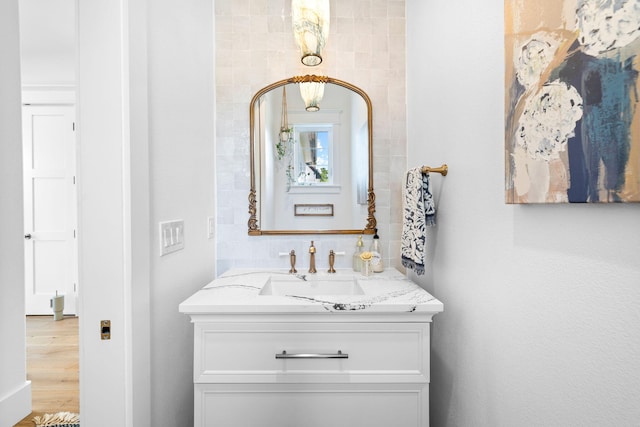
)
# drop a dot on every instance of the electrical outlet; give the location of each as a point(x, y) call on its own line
point(171, 236)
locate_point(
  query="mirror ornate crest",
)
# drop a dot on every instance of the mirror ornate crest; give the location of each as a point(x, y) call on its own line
point(311, 158)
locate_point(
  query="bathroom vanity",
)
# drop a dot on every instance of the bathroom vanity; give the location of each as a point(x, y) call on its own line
point(279, 349)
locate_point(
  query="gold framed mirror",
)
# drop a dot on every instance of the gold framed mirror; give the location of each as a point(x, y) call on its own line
point(311, 158)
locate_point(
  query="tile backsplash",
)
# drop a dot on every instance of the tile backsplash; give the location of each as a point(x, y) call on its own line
point(255, 47)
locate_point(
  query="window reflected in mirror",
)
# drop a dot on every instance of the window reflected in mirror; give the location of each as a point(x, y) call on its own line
point(313, 153)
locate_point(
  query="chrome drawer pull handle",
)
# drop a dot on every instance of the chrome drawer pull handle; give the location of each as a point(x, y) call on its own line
point(338, 355)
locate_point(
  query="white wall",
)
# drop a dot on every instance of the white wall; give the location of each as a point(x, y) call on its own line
point(15, 391)
point(182, 176)
point(541, 323)
point(48, 42)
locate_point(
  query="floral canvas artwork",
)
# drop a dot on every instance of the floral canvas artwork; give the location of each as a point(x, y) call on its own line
point(572, 122)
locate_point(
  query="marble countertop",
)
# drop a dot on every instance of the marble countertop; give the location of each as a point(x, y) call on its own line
point(238, 292)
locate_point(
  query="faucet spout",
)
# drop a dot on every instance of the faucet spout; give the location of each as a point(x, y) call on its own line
point(312, 258)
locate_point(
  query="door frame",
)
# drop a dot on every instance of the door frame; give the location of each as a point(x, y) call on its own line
point(114, 33)
point(113, 216)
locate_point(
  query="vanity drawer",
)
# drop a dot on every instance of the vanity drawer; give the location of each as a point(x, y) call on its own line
point(315, 352)
point(312, 405)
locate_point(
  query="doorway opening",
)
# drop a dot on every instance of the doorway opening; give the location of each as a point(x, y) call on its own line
point(48, 55)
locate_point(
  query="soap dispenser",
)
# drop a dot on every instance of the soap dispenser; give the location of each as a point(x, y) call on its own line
point(376, 254)
point(357, 261)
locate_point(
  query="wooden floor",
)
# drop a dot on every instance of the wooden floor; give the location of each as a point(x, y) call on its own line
point(52, 366)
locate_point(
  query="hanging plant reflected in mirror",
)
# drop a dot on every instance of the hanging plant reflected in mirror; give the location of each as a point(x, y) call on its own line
point(284, 146)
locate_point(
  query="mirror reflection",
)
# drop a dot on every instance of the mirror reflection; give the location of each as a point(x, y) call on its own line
point(311, 158)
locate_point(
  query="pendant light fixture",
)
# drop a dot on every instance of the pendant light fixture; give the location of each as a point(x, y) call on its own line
point(311, 28)
point(312, 93)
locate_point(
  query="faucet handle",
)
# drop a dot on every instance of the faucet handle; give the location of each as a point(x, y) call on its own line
point(332, 259)
point(292, 260)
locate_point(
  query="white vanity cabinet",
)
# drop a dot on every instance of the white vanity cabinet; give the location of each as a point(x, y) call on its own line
point(346, 373)
point(304, 367)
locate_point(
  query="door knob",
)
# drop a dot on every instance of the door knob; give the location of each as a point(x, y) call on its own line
point(27, 236)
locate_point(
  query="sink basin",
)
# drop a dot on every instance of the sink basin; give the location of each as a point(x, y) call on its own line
point(311, 287)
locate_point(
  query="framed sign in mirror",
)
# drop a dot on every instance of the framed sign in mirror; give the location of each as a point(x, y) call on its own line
point(313, 210)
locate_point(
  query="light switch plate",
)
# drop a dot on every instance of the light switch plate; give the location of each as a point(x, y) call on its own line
point(171, 236)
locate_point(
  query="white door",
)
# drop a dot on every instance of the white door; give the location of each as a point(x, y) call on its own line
point(50, 207)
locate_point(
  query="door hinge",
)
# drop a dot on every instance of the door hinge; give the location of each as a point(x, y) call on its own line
point(73, 126)
point(74, 234)
point(74, 180)
point(75, 289)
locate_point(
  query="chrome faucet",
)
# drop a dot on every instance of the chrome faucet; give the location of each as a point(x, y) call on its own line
point(312, 258)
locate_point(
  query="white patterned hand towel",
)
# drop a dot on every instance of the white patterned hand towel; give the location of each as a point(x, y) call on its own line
point(419, 213)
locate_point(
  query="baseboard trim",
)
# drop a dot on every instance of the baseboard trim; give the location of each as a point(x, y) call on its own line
point(16, 405)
